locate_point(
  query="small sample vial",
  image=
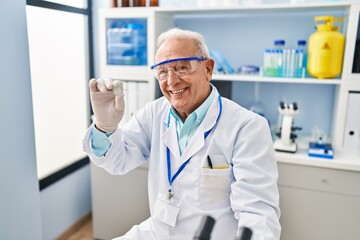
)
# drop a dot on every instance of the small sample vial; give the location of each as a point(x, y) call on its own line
point(279, 46)
point(301, 45)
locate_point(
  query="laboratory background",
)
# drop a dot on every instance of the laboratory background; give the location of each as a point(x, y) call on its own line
point(295, 62)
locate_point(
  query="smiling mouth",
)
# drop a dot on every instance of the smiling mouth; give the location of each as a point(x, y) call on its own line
point(177, 91)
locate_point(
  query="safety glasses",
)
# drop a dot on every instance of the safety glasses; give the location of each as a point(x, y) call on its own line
point(179, 66)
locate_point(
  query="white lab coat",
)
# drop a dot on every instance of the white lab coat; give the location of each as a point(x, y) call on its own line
point(244, 194)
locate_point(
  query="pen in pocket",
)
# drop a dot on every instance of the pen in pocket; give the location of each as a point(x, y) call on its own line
point(216, 162)
point(209, 162)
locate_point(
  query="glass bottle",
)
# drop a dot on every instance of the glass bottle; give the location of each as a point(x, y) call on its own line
point(279, 46)
point(301, 45)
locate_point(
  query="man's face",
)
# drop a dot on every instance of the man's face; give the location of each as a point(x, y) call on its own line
point(185, 93)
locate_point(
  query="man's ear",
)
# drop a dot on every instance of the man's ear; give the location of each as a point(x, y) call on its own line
point(209, 66)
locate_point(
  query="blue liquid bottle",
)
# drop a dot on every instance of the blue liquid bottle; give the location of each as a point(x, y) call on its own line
point(301, 45)
point(279, 57)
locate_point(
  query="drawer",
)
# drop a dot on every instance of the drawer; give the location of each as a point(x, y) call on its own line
point(320, 179)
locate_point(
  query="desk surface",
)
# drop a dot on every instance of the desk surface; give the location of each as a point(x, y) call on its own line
point(340, 161)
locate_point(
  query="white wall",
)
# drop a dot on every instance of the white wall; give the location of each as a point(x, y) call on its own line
point(19, 188)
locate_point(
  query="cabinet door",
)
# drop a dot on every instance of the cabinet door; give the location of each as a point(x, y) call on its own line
point(126, 43)
point(318, 203)
point(118, 202)
point(314, 215)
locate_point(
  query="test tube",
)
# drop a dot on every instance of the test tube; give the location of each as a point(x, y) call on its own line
point(300, 62)
point(267, 62)
point(279, 57)
point(283, 59)
point(273, 63)
point(292, 62)
point(286, 62)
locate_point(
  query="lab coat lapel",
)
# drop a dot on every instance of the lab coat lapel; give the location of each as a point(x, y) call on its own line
point(169, 138)
point(195, 144)
point(198, 141)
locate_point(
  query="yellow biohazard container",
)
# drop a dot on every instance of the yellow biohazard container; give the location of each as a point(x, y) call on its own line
point(326, 48)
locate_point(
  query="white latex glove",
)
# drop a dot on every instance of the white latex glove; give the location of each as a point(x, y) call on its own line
point(108, 103)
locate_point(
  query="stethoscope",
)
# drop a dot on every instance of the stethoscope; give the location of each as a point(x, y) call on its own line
point(181, 168)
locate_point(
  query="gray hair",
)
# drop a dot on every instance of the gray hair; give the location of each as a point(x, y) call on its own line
point(177, 33)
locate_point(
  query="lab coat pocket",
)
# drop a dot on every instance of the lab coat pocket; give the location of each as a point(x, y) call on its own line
point(215, 188)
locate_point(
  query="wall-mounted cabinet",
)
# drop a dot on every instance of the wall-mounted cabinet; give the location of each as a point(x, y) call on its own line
point(127, 44)
point(241, 34)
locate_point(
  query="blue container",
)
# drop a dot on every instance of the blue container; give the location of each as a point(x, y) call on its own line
point(126, 44)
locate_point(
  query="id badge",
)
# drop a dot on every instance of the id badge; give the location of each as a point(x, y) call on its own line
point(166, 210)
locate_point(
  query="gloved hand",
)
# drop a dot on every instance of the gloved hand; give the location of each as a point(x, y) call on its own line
point(108, 103)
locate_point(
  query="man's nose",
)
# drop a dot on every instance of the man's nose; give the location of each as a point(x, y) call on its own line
point(172, 78)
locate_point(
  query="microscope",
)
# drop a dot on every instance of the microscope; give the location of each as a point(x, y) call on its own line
point(207, 225)
point(287, 143)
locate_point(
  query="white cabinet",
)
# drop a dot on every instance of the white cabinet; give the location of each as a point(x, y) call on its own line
point(154, 25)
point(319, 203)
point(118, 202)
point(241, 34)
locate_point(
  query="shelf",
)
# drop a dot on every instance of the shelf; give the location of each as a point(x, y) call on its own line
point(257, 8)
point(234, 10)
point(340, 161)
point(251, 78)
point(351, 85)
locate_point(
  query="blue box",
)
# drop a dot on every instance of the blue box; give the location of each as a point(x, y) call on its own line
point(321, 150)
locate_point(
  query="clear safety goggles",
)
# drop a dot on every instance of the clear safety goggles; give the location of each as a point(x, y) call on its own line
point(179, 66)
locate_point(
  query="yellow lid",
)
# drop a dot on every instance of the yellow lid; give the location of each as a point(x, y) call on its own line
point(328, 22)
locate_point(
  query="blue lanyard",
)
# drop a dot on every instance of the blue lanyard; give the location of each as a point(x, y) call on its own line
point(171, 179)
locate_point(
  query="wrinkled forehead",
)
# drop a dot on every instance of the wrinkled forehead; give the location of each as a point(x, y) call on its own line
point(175, 48)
